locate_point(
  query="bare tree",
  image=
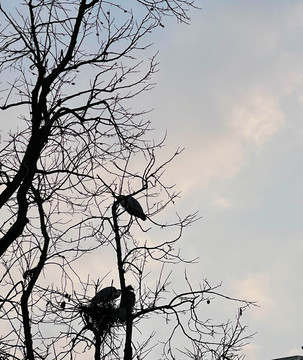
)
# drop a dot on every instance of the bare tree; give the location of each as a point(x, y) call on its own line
point(79, 177)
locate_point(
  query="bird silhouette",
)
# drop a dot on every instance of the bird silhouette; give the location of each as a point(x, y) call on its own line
point(128, 300)
point(132, 206)
point(106, 295)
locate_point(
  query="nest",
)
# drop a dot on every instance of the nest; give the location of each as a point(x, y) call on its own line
point(101, 317)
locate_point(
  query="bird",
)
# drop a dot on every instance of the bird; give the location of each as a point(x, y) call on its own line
point(131, 297)
point(128, 299)
point(132, 206)
point(106, 295)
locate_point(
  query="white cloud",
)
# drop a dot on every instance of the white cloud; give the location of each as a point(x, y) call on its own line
point(257, 287)
point(221, 202)
point(256, 117)
point(207, 158)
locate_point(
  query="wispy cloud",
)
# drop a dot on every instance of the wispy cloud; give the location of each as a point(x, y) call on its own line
point(256, 117)
point(257, 287)
point(221, 202)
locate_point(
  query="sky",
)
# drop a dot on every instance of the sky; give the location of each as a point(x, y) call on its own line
point(230, 90)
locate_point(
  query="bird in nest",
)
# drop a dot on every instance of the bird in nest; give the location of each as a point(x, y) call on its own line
point(106, 295)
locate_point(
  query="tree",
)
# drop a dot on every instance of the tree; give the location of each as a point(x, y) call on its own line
point(78, 155)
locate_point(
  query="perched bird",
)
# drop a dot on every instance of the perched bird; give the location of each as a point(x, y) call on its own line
point(106, 295)
point(132, 206)
point(131, 296)
point(128, 299)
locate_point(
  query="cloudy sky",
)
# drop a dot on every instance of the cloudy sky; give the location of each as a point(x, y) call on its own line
point(230, 90)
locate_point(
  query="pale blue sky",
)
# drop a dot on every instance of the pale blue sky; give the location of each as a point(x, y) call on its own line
point(230, 89)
